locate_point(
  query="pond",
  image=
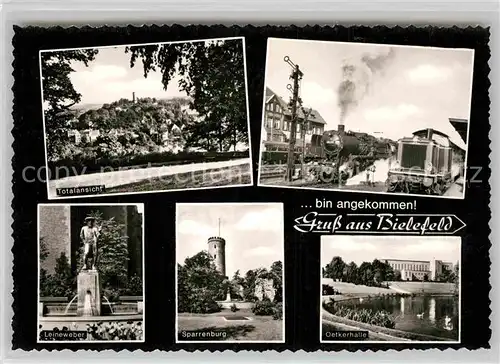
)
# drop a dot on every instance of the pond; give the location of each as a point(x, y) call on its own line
point(428, 315)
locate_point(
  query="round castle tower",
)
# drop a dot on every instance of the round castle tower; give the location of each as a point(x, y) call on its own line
point(217, 250)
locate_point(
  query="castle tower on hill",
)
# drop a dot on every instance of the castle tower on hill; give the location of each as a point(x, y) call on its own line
point(217, 250)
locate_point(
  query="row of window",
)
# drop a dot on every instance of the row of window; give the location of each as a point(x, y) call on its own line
point(418, 275)
point(286, 126)
point(273, 107)
point(410, 266)
point(275, 137)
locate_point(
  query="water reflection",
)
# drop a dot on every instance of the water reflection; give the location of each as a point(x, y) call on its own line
point(436, 316)
point(432, 310)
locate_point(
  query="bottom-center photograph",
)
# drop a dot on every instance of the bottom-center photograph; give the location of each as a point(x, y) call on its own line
point(230, 272)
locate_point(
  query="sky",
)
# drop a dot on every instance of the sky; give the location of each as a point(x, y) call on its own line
point(361, 249)
point(253, 233)
point(109, 78)
point(418, 87)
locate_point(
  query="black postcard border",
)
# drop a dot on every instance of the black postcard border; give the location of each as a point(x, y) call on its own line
point(301, 251)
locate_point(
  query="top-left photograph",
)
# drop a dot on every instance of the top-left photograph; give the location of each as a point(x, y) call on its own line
point(145, 118)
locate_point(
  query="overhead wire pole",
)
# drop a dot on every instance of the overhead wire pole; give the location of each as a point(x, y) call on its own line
point(295, 76)
point(305, 129)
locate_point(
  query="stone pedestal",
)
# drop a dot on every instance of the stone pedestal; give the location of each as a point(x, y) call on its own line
point(228, 297)
point(89, 289)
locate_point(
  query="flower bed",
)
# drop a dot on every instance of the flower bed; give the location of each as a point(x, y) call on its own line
point(130, 331)
point(364, 315)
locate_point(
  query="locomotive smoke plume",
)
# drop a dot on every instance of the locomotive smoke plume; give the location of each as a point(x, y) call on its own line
point(357, 79)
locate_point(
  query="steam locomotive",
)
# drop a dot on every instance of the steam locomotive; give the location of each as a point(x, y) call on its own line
point(337, 153)
point(425, 164)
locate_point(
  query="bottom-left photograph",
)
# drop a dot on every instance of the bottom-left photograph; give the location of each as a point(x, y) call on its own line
point(90, 272)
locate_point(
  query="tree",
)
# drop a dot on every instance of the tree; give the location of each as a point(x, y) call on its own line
point(212, 73)
point(236, 282)
point(59, 94)
point(44, 252)
point(199, 284)
point(456, 278)
point(251, 277)
point(276, 272)
point(61, 283)
point(383, 272)
point(351, 272)
point(335, 269)
point(397, 276)
point(366, 274)
point(447, 275)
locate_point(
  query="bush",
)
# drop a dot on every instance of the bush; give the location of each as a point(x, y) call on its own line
point(203, 302)
point(329, 290)
point(111, 294)
point(134, 286)
point(330, 305)
point(234, 308)
point(278, 312)
point(263, 308)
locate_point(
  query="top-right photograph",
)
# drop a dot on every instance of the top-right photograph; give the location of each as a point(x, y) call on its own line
point(359, 117)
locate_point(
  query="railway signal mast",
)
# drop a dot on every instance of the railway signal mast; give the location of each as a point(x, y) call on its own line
point(296, 76)
point(305, 128)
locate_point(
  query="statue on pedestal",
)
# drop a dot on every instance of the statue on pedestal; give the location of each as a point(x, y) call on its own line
point(88, 236)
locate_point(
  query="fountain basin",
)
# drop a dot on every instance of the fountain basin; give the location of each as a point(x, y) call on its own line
point(83, 320)
point(63, 309)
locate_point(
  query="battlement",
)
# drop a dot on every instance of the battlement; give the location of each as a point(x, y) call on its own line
point(216, 238)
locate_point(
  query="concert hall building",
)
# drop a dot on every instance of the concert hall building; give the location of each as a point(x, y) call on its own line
point(419, 269)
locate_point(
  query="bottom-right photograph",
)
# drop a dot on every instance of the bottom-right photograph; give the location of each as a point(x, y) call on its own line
point(390, 289)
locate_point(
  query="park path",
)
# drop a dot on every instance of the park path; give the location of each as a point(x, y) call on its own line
point(399, 290)
point(125, 177)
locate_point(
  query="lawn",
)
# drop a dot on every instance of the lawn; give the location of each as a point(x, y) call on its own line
point(258, 328)
point(227, 176)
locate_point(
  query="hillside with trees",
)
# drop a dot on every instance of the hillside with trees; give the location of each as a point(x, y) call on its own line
point(126, 128)
point(212, 118)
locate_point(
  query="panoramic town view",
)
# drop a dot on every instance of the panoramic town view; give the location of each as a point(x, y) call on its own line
point(156, 122)
point(390, 289)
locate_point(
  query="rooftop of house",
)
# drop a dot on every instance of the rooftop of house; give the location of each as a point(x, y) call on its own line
point(315, 116)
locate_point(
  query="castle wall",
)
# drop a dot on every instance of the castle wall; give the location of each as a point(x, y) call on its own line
point(54, 228)
point(134, 233)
